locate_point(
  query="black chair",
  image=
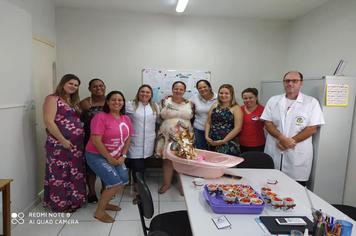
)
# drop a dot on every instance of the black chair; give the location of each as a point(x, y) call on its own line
point(158, 233)
point(256, 160)
point(174, 223)
point(350, 211)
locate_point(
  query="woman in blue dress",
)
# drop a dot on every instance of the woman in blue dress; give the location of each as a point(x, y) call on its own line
point(224, 122)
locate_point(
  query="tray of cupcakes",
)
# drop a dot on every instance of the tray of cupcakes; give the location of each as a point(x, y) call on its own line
point(276, 202)
point(233, 199)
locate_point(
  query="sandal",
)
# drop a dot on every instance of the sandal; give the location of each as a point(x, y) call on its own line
point(105, 218)
point(70, 210)
point(111, 207)
point(163, 189)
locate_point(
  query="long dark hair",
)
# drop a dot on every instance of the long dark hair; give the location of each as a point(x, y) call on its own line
point(106, 108)
point(74, 98)
point(137, 99)
point(205, 81)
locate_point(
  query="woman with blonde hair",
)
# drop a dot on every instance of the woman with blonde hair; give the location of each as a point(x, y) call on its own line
point(224, 122)
point(143, 113)
point(64, 185)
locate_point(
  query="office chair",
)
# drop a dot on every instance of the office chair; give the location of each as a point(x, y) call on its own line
point(350, 211)
point(256, 160)
point(174, 223)
point(158, 233)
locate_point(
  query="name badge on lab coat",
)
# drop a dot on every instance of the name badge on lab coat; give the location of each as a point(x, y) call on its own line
point(299, 120)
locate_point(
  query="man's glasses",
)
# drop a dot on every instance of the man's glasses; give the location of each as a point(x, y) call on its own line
point(294, 81)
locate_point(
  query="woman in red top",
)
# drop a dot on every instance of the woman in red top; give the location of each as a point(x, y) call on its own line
point(252, 137)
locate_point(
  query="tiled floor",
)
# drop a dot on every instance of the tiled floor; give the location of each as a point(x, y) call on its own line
point(127, 221)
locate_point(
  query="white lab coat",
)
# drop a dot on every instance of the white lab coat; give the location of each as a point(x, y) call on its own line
point(305, 111)
point(144, 122)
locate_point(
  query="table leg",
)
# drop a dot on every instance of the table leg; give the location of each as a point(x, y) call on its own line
point(6, 210)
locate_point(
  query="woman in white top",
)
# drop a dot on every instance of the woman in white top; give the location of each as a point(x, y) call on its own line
point(143, 113)
point(202, 101)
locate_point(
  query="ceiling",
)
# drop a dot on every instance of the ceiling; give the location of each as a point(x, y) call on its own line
point(260, 9)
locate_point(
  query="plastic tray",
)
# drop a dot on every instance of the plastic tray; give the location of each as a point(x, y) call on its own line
point(218, 205)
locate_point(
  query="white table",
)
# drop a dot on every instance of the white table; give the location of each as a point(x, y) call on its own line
point(200, 213)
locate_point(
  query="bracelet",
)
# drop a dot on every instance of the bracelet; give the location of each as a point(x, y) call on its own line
point(124, 156)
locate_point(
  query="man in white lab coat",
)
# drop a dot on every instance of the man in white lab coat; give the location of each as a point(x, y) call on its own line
point(290, 120)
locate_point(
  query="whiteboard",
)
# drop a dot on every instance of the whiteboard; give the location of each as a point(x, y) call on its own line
point(161, 81)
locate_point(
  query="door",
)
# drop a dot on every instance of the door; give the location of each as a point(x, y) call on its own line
point(44, 55)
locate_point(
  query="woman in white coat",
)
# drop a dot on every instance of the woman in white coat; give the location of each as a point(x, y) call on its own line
point(143, 113)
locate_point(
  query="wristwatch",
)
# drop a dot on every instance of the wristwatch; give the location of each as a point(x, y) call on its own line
point(124, 156)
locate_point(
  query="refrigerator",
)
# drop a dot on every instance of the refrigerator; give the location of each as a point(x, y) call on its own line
point(336, 95)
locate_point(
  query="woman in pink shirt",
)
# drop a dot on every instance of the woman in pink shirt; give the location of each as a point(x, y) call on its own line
point(107, 149)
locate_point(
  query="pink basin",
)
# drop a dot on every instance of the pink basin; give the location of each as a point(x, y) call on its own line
point(212, 164)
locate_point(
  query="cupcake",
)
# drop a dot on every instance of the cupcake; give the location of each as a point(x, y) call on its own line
point(229, 197)
point(225, 189)
point(256, 201)
point(246, 189)
point(234, 187)
point(242, 195)
point(245, 201)
point(253, 195)
point(288, 204)
point(269, 196)
point(264, 190)
point(212, 188)
point(220, 187)
point(277, 203)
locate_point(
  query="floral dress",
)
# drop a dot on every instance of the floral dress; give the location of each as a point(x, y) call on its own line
point(222, 122)
point(64, 184)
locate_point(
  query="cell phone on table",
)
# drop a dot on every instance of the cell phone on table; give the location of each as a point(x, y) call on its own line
point(232, 176)
point(291, 221)
point(221, 222)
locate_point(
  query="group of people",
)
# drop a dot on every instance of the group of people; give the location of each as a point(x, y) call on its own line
point(119, 133)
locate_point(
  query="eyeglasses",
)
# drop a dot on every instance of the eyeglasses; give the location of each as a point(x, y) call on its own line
point(294, 81)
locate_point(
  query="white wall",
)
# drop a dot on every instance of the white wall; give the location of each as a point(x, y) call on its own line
point(317, 42)
point(42, 13)
point(20, 21)
point(116, 46)
point(18, 159)
point(324, 36)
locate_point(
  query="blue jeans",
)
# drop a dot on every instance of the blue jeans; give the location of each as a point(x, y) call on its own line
point(200, 141)
point(111, 175)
